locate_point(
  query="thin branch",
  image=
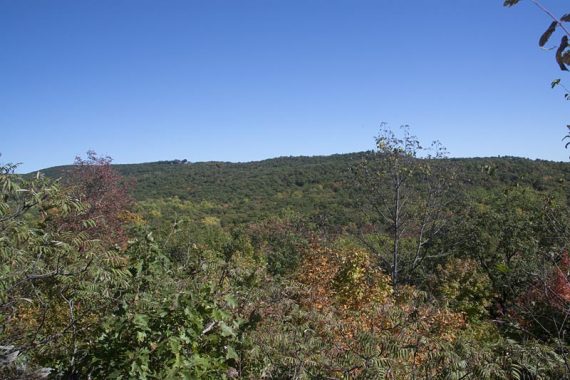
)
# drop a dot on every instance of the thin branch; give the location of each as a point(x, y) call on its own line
point(554, 18)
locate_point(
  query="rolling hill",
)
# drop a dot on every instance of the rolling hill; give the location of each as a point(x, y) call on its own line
point(319, 185)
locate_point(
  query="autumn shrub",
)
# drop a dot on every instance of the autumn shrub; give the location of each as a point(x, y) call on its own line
point(376, 333)
point(106, 196)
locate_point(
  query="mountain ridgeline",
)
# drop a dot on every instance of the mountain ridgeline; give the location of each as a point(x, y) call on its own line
point(311, 186)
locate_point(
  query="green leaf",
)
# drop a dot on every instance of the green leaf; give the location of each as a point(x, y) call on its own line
point(226, 330)
point(231, 353)
point(231, 301)
point(502, 267)
point(174, 345)
point(141, 321)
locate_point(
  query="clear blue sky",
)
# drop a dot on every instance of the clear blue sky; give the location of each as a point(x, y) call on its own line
point(244, 80)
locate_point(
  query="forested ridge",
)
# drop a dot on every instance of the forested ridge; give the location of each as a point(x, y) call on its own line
point(320, 185)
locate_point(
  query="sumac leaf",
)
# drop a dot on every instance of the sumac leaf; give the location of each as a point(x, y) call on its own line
point(546, 35)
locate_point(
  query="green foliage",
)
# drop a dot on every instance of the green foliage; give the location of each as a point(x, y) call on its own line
point(55, 284)
point(509, 232)
point(175, 319)
point(281, 241)
point(253, 271)
point(241, 193)
point(464, 287)
point(403, 196)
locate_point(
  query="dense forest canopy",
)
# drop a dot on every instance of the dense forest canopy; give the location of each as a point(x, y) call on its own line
point(321, 185)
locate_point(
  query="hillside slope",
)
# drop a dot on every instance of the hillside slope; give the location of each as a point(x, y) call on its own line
point(320, 185)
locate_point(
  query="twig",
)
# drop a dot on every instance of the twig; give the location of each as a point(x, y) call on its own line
point(551, 16)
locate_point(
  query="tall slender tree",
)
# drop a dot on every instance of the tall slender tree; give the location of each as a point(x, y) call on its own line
point(403, 195)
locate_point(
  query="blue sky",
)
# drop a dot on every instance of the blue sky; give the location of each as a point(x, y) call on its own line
point(244, 80)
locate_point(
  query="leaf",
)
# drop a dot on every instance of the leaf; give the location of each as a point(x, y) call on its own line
point(89, 223)
point(560, 51)
point(502, 267)
point(226, 330)
point(231, 353)
point(231, 301)
point(174, 343)
point(555, 83)
point(547, 34)
point(565, 18)
point(510, 3)
point(141, 321)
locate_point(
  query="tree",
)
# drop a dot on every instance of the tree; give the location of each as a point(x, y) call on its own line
point(171, 321)
point(403, 193)
point(105, 193)
point(56, 284)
